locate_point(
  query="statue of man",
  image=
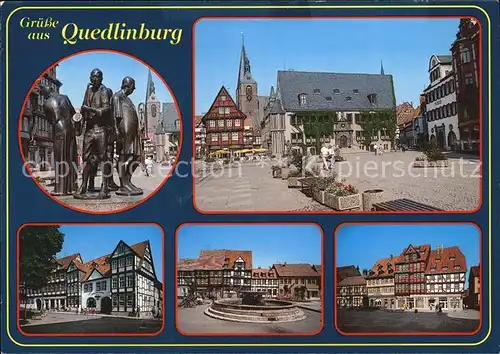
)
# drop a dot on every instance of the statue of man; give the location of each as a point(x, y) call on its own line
point(59, 110)
point(129, 141)
point(96, 109)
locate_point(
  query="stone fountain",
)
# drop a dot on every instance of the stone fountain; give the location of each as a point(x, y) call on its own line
point(252, 307)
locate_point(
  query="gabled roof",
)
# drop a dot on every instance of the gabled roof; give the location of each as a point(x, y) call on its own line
point(215, 260)
point(384, 267)
point(405, 113)
point(445, 260)
point(346, 271)
point(295, 270)
point(422, 252)
point(100, 264)
point(319, 88)
point(356, 280)
point(213, 112)
point(64, 262)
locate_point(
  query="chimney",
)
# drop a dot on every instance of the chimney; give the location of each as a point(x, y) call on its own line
point(391, 257)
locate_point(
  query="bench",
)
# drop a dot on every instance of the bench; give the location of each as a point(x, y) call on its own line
point(306, 185)
point(403, 205)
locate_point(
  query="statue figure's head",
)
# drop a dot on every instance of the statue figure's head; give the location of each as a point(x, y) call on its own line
point(96, 78)
point(128, 85)
point(45, 90)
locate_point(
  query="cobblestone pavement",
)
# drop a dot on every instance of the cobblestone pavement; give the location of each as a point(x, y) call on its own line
point(352, 321)
point(73, 323)
point(193, 320)
point(251, 187)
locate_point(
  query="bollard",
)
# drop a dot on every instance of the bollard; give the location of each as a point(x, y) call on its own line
point(372, 196)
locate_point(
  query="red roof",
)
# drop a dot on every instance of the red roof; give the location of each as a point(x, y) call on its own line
point(65, 261)
point(446, 260)
point(405, 113)
point(264, 273)
point(216, 260)
point(140, 248)
point(295, 270)
point(101, 264)
point(422, 253)
point(384, 267)
point(344, 272)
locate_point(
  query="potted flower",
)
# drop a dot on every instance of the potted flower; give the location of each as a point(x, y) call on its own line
point(276, 170)
point(433, 157)
point(341, 196)
point(320, 184)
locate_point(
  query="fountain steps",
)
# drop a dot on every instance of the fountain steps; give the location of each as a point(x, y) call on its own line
point(260, 312)
point(255, 317)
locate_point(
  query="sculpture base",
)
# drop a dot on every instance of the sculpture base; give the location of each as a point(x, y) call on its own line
point(128, 193)
point(59, 194)
point(101, 205)
point(91, 196)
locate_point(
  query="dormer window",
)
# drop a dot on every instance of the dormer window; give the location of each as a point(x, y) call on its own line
point(445, 268)
point(372, 97)
point(336, 91)
point(355, 91)
point(438, 259)
point(328, 98)
point(452, 258)
point(302, 100)
point(433, 269)
point(457, 267)
point(316, 90)
point(348, 98)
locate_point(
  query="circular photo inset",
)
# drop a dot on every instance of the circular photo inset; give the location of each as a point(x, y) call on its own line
point(100, 131)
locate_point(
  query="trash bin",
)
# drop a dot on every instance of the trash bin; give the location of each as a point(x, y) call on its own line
point(372, 196)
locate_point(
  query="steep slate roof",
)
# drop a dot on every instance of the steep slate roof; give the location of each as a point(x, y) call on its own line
point(445, 59)
point(65, 261)
point(293, 83)
point(262, 105)
point(445, 257)
point(357, 280)
point(170, 115)
point(346, 271)
point(295, 270)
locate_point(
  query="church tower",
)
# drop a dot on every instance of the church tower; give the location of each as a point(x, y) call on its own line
point(247, 98)
point(153, 115)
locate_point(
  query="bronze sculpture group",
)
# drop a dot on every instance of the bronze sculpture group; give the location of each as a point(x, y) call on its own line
point(107, 121)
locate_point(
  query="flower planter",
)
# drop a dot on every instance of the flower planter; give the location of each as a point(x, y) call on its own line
point(347, 202)
point(284, 172)
point(319, 195)
point(294, 182)
point(423, 164)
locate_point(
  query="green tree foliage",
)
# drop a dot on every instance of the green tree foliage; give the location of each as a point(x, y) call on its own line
point(432, 152)
point(383, 121)
point(316, 127)
point(38, 247)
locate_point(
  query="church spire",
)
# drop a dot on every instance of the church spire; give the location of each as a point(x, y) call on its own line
point(382, 68)
point(245, 74)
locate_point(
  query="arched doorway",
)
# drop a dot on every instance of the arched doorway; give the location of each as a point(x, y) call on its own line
point(452, 139)
point(38, 304)
point(343, 141)
point(91, 302)
point(433, 138)
point(106, 305)
point(440, 139)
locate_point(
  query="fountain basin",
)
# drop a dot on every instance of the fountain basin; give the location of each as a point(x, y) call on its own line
point(267, 311)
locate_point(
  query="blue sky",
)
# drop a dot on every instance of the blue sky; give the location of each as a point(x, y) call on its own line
point(329, 45)
point(93, 241)
point(363, 245)
point(74, 74)
point(269, 243)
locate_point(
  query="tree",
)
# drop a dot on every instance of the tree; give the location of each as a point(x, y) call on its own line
point(375, 122)
point(38, 247)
